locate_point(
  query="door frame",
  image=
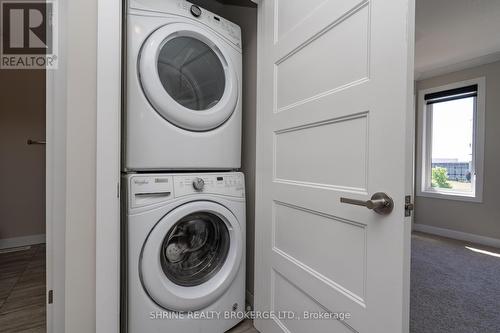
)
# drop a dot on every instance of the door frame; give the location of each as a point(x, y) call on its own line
point(55, 181)
point(108, 156)
point(107, 172)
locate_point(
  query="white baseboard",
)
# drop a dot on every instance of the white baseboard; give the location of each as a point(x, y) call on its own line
point(463, 236)
point(6, 243)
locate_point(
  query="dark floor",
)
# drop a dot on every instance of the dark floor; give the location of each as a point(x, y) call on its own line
point(22, 290)
point(454, 289)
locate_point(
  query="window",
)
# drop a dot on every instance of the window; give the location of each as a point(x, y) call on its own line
point(451, 141)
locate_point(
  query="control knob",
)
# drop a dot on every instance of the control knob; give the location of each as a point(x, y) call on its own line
point(198, 184)
point(195, 10)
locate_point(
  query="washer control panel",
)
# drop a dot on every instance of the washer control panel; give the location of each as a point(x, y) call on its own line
point(227, 28)
point(150, 189)
point(231, 184)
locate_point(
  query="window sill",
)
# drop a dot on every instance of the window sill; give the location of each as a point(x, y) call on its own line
point(450, 196)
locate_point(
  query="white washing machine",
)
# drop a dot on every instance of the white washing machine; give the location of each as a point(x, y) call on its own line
point(183, 88)
point(185, 243)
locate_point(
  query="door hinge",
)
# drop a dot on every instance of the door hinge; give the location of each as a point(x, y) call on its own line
point(50, 297)
point(409, 206)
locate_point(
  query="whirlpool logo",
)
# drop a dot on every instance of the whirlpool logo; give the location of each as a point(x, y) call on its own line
point(29, 34)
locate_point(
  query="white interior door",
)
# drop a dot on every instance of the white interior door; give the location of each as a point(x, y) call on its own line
point(334, 121)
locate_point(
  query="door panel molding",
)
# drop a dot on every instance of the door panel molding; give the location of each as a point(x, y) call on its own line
point(303, 297)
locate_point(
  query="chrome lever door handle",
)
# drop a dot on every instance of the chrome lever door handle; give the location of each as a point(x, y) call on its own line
point(380, 203)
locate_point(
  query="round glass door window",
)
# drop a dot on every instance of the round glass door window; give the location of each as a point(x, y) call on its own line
point(195, 249)
point(191, 73)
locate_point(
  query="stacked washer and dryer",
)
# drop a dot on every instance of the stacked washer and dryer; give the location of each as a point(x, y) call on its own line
point(183, 199)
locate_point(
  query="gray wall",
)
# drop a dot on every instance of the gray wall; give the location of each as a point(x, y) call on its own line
point(211, 5)
point(22, 167)
point(475, 218)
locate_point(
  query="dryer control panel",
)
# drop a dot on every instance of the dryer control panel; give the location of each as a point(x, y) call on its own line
point(231, 31)
point(227, 28)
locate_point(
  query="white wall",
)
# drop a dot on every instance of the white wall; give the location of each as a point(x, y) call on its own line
point(481, 219)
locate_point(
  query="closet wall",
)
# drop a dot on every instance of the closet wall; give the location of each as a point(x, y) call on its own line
point(246, 18)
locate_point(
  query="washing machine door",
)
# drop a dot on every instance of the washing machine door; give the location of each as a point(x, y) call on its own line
point(191, 256)
point(187, 76)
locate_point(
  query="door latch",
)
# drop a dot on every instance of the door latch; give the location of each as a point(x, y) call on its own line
point(409, 206)
point(50, 298)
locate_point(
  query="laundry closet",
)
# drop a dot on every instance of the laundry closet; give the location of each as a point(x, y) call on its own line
point(188, 164)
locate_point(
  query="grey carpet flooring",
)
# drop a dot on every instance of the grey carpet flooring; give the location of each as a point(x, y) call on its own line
point(453, 289)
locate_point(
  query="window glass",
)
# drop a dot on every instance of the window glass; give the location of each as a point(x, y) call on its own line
point(191, 72)
point(452, 145)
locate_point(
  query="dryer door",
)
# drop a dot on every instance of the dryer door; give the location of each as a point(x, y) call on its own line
point(191, 256)
point(187, 76)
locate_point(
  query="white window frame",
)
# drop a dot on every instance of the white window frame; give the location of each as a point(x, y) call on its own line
point(424, 142)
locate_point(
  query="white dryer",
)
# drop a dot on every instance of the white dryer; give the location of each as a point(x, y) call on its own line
point(183, 88)
point(185, 241)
